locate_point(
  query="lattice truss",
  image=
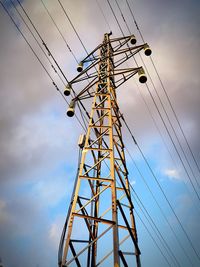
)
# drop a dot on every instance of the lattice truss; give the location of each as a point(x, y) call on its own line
point(100, 228)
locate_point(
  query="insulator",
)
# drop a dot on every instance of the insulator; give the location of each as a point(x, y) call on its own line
point(71, 109)
point(133, 40)
point(80, 66)
point(142, 76)
point(68, 89)
point(147, 50)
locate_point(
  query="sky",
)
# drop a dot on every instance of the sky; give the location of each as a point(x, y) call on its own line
point(38, 142)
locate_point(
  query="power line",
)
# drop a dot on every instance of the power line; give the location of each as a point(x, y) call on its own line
point(47, 10)
point(188, 175)
point(154, 122)
point(45, 54)
point(174, 132)
point(159, 235)
point(174, 145)
point(115, 17)
point(149, 111)
point(152, 238)
point(160, 208)
point(71, 23)
point(197, 165)
point(43, 42)
point(45, 69)
point(123, 16)
point(72, 26)
point(107, 23)
point(35, 54)
point(166, 94)
point(70, 50)
point(113, 11)
point(137, 27)
point(55, 61)
point(49, 14)
point(151, 221)
point(166, 116)
point(79, 101)
point(137, 84)
point(156, 180)
point(64, 39)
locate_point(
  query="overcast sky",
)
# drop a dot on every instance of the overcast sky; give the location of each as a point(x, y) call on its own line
point(38, 143)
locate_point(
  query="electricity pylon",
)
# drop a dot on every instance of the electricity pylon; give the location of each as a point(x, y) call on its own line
point(100, 226)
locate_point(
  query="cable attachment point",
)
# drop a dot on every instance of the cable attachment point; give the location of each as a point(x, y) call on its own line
point(142, 75)
point(133, 39)
point(68, 89)
point(147, 50)
point(80, 66)
point(71, 109)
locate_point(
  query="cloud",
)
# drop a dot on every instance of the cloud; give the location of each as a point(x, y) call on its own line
point(132, 182)
point(24, 231)
point(55, 230)
point(172, 174)
point(37, 142)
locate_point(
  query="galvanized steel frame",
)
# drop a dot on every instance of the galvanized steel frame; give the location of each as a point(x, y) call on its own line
point(104, 142)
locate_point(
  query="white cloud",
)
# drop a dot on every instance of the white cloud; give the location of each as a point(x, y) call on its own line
point(51, 191)
point(132, 182)
point(172, 174)
point(55, 232)
point(33, 142)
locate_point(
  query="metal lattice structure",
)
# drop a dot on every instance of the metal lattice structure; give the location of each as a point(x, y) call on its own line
point(100, 228)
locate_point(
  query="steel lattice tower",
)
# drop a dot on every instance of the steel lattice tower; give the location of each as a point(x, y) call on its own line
point(100, 227)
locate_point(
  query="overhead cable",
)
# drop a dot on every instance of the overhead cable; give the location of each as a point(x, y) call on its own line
point(165, 91)
point(182, 162)
point(161, 189)
point(37, 57)
point(168, 119)
point(161, 209)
